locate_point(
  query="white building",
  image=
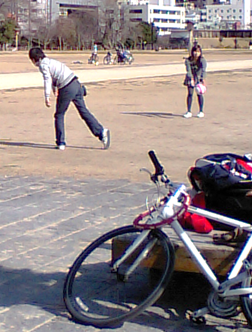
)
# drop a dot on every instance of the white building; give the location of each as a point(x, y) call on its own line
point(162, 13)
point(235, 11)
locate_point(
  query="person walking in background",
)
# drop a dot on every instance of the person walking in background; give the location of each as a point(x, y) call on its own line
point(195, 74)
point(66, 87)
point(95, 49)
point(94, 54)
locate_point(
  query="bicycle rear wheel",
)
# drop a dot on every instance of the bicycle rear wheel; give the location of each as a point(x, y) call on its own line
point(95, 295)
point(246, 301)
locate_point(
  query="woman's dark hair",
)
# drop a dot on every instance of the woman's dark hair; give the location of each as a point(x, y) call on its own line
point(196, 48)
point(36, 54)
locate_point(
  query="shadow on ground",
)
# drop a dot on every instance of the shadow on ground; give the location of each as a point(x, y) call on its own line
point(43, 146)
point(44, 290)
point(154, 114)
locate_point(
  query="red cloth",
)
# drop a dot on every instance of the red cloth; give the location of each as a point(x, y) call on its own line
point(197, 223)
point(246, 165)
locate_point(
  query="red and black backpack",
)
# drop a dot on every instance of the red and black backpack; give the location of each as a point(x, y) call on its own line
point(226, 180)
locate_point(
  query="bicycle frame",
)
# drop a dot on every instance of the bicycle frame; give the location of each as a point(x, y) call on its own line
point(234, 276)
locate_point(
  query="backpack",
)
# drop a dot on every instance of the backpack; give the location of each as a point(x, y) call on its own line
point(226, 180)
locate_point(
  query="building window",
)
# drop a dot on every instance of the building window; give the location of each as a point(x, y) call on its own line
point(136, 20)
point(136, 11)
point(234, 10)
point(240, 17)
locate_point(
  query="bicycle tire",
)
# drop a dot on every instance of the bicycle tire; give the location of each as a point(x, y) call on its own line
point(106, 60)
point(96, 296)
point(115, 61)
point(131, 59)
point(246, 300)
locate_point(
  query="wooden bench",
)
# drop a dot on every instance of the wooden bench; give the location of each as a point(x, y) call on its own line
point(219, 257)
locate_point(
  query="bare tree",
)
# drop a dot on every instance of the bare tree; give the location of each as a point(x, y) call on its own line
point(65, 30)
point(85, 25)
point(44, 35)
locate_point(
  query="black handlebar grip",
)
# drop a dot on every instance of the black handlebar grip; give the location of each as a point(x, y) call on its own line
point(158, 167)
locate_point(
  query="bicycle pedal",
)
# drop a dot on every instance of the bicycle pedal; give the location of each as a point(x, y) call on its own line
point(197, 317)
point(201, 320)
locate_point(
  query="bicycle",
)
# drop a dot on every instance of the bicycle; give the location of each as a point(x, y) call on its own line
point(94, 59)
point(123, 57)
point(108, 59)
point(108, 284)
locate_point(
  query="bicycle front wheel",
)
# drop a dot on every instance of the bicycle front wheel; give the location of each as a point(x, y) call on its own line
point(131, 59)
point(115, 61)
point(106, 60)
point(98, 296)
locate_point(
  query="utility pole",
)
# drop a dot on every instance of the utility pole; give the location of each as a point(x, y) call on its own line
point(152, 36)
point(189, 28)
point(29, 16)
point(49, 12)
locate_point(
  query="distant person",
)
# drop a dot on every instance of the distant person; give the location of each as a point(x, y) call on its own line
point(95, 51)
point(120, 54)
point(195, 73)
point(66, 87)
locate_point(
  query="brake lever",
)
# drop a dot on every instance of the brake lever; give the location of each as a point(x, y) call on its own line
point(143, 169)
point(153, 177)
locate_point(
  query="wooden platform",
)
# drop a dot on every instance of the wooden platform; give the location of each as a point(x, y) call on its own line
point(219, 257)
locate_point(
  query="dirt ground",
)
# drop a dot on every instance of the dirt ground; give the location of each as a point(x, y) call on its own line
point(142, 114)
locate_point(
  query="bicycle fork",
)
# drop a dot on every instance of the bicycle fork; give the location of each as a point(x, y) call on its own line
point(130, 250)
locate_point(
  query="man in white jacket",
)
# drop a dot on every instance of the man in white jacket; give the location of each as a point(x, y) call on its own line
point(65, 85)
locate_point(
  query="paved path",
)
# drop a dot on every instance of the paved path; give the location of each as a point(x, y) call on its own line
point(45, 223)
point(33, 79)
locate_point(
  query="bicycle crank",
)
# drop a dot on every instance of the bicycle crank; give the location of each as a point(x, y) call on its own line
point(221, 307)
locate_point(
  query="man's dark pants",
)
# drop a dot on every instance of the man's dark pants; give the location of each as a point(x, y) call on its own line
point(73, 92)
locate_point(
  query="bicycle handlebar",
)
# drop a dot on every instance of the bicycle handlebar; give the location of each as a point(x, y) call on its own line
point(159, 170)
point(171, 209)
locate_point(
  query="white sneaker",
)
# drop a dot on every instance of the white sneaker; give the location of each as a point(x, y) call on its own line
point(61, 147)
point(106, 138)
point(188, 115)
point(200, 115)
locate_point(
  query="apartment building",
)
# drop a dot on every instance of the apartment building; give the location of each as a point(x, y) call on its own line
point(164, 14)
point(28, 13)
point(233, 11)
